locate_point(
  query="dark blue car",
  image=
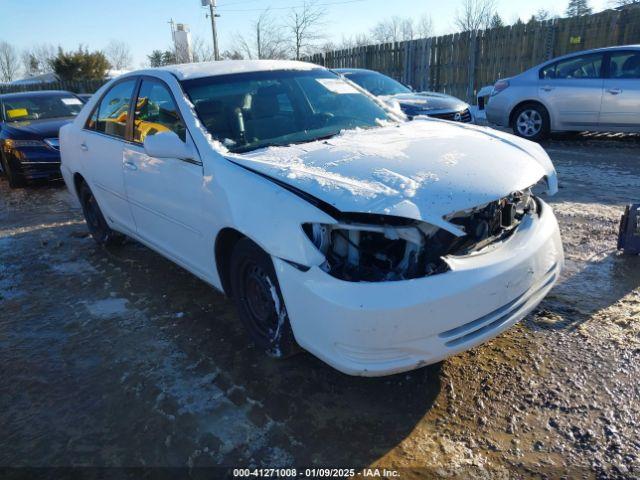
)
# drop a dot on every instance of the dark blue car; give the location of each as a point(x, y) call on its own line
point(29, 126)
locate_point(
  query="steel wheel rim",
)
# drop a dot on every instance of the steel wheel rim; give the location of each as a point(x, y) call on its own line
point(258, 300)
point(529, 123)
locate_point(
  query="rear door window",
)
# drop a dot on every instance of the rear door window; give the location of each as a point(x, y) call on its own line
point(111, 115)
point(624, 65)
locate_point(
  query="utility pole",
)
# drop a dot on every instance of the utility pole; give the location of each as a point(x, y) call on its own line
point(212, 14)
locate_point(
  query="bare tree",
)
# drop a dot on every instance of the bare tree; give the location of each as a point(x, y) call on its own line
point(37, 60)
point(304, 26)
point(328, 47)
point(542, 15)
point(119, 55)
point(475, 14)
point(387, 31)
point(267, 39)
point(407, 29)
point(358, 40)
point(424, 26)
point(9, 62)
point(201, 49)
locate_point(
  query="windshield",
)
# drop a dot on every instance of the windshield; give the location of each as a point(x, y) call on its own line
point(20, 108)
point(376, 83)
point(253, 110)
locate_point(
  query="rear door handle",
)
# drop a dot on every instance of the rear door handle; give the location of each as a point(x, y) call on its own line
point(83, 147)
point(614, 91)
point(547, 88)
point(130, 166)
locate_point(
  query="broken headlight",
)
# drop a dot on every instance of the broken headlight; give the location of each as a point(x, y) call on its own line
point(361, 252)
point(541, 187)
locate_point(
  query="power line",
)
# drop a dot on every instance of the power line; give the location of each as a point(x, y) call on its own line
point(246, 10)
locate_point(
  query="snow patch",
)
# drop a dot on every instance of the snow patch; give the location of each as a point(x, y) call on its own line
point(110, 307)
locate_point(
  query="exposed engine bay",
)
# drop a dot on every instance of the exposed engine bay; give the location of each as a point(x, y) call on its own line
point(375, 248)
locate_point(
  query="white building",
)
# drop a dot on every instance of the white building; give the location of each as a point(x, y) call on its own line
point(182, 43)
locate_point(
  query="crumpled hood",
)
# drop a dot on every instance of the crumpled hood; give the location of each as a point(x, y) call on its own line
point(423, 170)
point(426, 101)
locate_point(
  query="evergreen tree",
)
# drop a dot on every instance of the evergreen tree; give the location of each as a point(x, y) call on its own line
point(496, 21)
point(578, 8)
point(80, 65)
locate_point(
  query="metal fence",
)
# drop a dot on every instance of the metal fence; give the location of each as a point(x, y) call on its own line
point(462, 63)
point(77, 86)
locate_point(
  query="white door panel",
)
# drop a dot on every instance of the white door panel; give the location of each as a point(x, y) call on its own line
point(102, 159)
point(165, 195)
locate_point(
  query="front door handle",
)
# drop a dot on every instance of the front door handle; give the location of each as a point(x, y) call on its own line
point(130, 166)
point(614, 91)
point(83, 147)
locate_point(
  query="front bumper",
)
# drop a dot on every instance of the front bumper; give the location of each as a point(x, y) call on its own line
point(383, 328)
point(34, 163)
point(498, 109)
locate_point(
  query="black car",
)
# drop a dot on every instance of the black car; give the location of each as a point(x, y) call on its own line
point(412, 103)
point(29, 126)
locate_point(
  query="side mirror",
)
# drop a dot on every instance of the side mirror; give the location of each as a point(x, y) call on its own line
point(167, 145)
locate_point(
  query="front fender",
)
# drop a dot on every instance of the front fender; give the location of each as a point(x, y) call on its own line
point(267, 213)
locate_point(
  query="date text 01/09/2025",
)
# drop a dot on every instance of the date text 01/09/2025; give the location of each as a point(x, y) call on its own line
point(314, 473)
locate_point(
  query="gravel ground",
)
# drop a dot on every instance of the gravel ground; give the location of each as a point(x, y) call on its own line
point(120, 358)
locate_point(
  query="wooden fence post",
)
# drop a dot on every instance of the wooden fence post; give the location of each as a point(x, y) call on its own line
point(473, 57)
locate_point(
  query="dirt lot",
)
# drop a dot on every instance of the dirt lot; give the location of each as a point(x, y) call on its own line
point(120, 358)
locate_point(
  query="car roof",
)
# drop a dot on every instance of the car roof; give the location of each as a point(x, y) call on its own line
point(34, 93)
point(354, 70)
point(188, 71)
point(595, 50)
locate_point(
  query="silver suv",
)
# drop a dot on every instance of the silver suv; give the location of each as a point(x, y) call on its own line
point(596, 90)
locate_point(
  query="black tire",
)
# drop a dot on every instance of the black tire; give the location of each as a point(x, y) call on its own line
point(98, 227)
point(531, 121)
point(257, 296)
point(15, 180)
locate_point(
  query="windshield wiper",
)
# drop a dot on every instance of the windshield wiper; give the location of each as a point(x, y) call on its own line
point(248, 148)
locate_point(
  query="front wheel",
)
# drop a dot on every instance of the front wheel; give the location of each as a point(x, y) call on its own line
point(15, 180)
point(257, 296)
point(98, 227)
point(531, 121)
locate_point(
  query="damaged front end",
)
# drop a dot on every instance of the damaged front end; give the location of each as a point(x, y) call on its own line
point(376, 248)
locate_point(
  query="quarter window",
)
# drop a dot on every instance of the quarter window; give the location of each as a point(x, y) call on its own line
point(583, 66)
point(156, 111)
point(111, 115)
point(624, 65)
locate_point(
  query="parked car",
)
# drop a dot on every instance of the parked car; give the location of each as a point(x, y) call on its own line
point(596, 90)
point(433, 104)
point(377, 244)
point(29, 124)
point(84, 96)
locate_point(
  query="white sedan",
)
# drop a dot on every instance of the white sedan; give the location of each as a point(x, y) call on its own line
point(377, 244)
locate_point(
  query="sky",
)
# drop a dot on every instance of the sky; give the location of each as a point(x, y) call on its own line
point(143, 24)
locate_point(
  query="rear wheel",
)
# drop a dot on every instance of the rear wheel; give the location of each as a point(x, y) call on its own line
point(531, 121)
point(257, 296)
point(98, 227)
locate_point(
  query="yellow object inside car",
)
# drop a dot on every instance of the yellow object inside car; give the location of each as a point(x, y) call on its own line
point(17, 113)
